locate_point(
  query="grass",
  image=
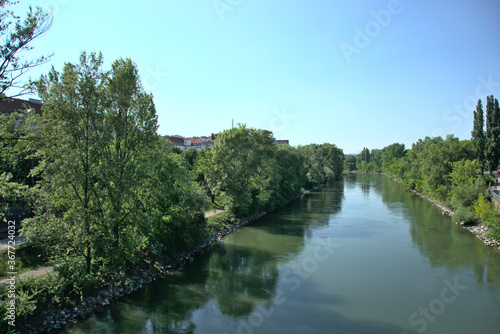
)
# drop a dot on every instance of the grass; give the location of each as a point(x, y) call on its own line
point(220, 221)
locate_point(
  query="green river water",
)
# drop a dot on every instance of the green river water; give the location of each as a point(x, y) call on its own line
point(362, 255)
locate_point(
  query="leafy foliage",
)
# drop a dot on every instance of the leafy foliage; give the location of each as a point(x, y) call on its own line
point(110, 189)
point(463, 214)
point(243, 169)
point(478, 136)
point(17, 36)
point(492, 140)
point(248, 173)
point(482, 208)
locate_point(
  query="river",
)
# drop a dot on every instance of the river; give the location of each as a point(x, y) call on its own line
point(362, 255)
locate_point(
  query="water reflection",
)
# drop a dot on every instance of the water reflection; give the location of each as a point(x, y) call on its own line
point(440, 240)
point(246, 283)
point(234, 277)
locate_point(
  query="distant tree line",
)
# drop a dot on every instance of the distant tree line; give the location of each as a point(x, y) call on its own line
point(449, 170)
point(246, 172)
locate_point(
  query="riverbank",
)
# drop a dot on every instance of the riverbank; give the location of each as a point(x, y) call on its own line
point(60, 316)
point(478, 229)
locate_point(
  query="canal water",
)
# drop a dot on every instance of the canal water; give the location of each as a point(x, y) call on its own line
point(362, 255)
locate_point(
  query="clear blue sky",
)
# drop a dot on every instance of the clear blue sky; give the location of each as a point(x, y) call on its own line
point(352, 73)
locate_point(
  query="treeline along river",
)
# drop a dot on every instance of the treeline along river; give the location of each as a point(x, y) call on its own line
point(361, 255)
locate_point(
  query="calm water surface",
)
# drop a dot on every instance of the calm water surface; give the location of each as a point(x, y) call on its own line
point(359, 256)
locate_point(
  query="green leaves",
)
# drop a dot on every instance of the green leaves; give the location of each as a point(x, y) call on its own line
point(17, 37)
point(478, 136)
point(240, 161)
point(111, 189)
point(323, 163)
point(492, 138)
point(248, 173)
point(99, 131)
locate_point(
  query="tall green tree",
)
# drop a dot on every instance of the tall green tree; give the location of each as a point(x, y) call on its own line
point(67, 212)
point(323, 163)
point(130, 125)
point(391, 152)
point(242, 169)
point(173, 204)
point(478, 136)
point(99, 131)
point(349, 162)
point(291, 172)
point(17, 37)
point(492, 142)
point(365, 155)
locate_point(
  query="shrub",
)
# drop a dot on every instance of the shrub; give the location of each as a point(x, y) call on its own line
point(482, 207)
point(34, 295)
point(493, 222)
point(464, 214)
point(466, 194)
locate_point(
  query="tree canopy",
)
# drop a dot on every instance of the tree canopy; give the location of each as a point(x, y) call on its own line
point(17, 36)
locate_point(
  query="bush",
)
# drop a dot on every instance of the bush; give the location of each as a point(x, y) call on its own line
point(34, 295)
point(493, 222)
point(464, 214)
point(482, 207)
point(466, 194)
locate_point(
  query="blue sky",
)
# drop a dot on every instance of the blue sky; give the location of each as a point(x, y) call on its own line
point(353, 73)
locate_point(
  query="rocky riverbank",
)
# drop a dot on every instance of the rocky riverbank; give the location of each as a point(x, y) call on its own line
point(59, 316)
point(62, 316)
point(478, 229)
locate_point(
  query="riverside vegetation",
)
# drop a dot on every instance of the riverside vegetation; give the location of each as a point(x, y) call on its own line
point(108, 195)
point(448, 170)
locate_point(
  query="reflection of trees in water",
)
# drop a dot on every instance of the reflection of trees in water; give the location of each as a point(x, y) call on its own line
point(437, 237)
point(239, 278)
point(242, 273)
point(165, 306)
point(359, 180)
point(309, 212)
point(239, 274)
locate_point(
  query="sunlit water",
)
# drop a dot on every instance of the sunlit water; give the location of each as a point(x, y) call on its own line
point(362, 255)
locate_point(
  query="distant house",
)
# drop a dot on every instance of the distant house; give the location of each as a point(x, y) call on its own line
point(197, 143)
point(10, 105)
point(176, 140)
point(285, 141)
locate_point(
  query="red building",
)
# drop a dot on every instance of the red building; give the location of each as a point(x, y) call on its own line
point(10, 105)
